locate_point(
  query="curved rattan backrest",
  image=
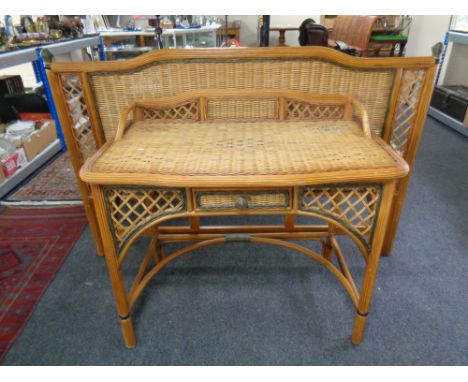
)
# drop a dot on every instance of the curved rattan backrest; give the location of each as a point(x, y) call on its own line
point(354, 31)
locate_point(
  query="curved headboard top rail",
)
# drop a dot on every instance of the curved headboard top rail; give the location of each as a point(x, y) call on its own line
point(243, 53)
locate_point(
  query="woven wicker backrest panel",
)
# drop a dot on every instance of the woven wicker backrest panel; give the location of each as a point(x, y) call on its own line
point(115, 90)
point(242, 109)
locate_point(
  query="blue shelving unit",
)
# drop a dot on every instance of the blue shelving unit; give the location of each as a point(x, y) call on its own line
point(35, 57)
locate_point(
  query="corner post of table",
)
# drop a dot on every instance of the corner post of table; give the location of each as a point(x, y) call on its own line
point(409, 156)
point(370, 271)
point(110, 254)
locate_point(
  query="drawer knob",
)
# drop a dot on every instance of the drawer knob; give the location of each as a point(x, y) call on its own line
point(241, 203)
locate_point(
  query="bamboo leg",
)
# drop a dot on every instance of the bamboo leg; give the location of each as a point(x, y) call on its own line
point(289, 222)
point(155, 244)
point(93, 226)
point(372, 265)
point(397, 207)
point(327, 249)
point(116, 277)
point(327, 252)
point(160, 253)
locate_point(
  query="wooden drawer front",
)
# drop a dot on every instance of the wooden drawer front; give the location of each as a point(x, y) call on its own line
point(241, 200)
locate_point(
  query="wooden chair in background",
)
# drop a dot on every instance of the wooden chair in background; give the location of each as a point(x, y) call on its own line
point(354, 31)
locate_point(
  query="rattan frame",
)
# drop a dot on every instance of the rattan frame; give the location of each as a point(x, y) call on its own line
point(401, 66)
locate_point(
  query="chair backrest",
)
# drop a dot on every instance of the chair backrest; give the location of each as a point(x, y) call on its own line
point(303, 32)
point(317, 35)
point(355, 31)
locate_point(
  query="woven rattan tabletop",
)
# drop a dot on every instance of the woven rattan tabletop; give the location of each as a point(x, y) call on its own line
point(268, 153)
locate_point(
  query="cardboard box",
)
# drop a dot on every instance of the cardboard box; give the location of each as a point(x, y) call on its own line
point(39, 140)
point(2, 175)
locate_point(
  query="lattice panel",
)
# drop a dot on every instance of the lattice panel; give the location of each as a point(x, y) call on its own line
point(356, 207)
point(410, 93)
point(130, 208)
point(298, 110)
point(187, 111)
point(78, 112)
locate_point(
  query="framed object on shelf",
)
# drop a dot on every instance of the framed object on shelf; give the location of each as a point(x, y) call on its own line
point(98, 22)
point(459, 23)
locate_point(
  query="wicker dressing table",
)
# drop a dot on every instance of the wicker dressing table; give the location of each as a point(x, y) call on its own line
point(314, 159)
point(273, 131)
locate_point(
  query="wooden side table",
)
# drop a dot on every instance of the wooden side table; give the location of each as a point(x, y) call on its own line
point(282, 32)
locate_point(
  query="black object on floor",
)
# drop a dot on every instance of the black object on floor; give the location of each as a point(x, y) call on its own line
point(245, 304)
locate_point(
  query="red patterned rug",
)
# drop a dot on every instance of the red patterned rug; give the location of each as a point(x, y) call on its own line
point(55, 182)
point(34, 242)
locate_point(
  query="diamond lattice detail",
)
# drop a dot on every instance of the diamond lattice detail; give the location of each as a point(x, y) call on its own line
point(355, 207)
point(187, 111)
point(131, 208)
point(410, 92)
point(297, 110)
point(78, 112)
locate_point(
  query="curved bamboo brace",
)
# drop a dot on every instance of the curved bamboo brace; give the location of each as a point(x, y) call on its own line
point(136, 233)
point(123, 120)
point(352, 292)
point(363, 116)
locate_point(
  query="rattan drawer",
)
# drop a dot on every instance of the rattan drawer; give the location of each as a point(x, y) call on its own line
point(242, 199)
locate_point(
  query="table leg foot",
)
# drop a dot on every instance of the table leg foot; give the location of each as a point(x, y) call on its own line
point(359, 328)
point(128, 332)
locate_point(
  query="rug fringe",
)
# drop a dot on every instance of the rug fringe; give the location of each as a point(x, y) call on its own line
point(41, 203)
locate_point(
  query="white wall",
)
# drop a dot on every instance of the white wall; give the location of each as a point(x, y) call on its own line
point(426, 31)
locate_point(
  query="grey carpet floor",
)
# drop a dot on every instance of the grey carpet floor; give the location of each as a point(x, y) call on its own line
point(242, 304)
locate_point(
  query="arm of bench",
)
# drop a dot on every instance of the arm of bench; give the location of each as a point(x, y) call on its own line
point(123, 120)
point(363, 116)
